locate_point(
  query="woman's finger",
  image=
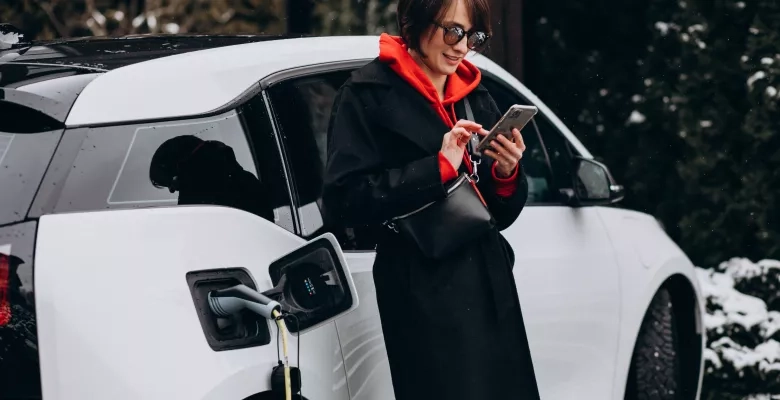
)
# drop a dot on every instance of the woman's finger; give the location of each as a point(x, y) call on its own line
point(503, 154)
point(511, 147)
point(469, 125)
point(461, 135)
point(518, 139)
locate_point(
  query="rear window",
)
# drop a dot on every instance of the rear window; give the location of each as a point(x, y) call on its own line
point(207, 160)
point(24, 158)
point(113, 165)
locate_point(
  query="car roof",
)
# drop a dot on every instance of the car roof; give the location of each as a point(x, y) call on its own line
point(48, 76)
point(105, 53)
point(206, 80)
point(201, 82)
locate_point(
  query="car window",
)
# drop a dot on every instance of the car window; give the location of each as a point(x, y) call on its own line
point(560, 152)
point(199, 161)
point(23, 161)
point(302, 107)
point(535, 160)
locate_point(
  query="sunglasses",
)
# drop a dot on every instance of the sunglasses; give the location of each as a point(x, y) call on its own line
point(477, 40)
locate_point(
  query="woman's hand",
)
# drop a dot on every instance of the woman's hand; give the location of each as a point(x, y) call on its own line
point(454, 143)
point(507, 153)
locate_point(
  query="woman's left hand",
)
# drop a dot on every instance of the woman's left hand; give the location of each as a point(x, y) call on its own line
point(507, 153)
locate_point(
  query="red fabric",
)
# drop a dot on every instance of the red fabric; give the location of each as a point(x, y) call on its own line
point(446, 169)
point(505, 187)
point(394, 52)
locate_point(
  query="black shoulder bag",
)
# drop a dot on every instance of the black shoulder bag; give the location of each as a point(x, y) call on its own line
point(441, 227)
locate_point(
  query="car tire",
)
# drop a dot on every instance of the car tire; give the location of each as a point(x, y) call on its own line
point(655, 365)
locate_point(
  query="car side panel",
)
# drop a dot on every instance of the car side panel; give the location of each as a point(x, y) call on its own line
point(647, 257)
point(568, 284)
point(361, 337)
point(116, 319)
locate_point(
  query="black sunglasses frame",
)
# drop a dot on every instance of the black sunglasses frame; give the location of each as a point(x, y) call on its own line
point(461, 33)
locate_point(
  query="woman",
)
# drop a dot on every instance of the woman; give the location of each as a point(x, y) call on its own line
point(453, 328)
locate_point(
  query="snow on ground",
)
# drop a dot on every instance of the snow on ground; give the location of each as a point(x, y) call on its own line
point(743, 334)
point(763, 397)
point(734, 307)
point(742, 268)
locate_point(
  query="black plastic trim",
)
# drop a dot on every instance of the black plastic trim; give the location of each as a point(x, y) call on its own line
point(313, 69)
point(286, 165)
point(200, 284)
point(310, 254)
point(63, 66)
point(54, 110)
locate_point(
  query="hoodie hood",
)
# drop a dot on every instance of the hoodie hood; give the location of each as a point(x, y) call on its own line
point(394, 52)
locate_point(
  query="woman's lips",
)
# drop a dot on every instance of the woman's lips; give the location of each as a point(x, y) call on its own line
point(452, 60)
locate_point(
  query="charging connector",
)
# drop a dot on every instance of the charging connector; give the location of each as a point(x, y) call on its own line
point(229, 301)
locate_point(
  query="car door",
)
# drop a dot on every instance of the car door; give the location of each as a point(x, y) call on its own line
point(565, 269)
point(137, 222)
point(301, 106)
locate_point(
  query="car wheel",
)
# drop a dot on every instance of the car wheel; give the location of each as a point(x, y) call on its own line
point(655, 365)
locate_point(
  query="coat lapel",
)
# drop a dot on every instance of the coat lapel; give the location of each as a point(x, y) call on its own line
point(405, 112)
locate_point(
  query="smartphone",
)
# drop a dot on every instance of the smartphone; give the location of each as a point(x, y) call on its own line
point(516, 117)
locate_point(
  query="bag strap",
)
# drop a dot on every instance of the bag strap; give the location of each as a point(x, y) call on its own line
point(474, 156)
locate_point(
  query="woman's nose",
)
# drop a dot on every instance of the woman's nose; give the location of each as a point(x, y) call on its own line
point(462, 46)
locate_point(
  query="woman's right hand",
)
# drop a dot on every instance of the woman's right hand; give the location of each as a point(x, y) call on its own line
point(454, 143)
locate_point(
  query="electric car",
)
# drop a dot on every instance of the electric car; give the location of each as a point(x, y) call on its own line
point(139, 174)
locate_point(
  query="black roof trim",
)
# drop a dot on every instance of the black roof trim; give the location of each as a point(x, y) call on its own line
point(106, 53)
point(53, 109)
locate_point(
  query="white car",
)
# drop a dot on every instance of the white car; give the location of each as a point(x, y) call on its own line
point(109, 245)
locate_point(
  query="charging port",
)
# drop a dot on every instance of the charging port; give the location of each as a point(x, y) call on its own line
point(242, 330)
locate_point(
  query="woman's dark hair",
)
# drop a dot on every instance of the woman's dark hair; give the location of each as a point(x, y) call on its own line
point(415, 16)
point(165, 161)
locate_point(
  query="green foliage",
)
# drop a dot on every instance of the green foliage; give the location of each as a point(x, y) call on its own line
point(74, 18)
point(743, 354)
point(680, 99)
point(659, 90)
point(354, 17)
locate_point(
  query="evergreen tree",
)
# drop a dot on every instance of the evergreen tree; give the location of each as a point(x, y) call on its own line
point(759, 196)
point(583, 61)
point(355, 17)
point(707, 145)
point(658, 90)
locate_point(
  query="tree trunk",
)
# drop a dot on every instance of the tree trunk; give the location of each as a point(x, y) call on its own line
point(299, 16)
point(506, 45)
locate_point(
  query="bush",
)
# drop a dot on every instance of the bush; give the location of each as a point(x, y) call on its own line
point(680, 99)
point(743, 335)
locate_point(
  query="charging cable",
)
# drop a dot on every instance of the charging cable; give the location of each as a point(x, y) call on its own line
point(283, 328)
point(229, 301)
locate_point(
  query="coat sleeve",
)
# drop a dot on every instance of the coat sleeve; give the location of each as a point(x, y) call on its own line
point(505, 209)
point(359, 188)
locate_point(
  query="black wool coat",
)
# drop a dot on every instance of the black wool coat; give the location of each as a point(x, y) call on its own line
point(453, 328)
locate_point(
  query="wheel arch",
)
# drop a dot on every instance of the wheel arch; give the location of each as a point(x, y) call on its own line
point(688, 315)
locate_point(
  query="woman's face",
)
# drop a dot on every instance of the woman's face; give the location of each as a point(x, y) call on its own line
point(443, 59)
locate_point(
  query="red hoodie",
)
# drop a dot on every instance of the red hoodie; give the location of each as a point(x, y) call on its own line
point(466, 78)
